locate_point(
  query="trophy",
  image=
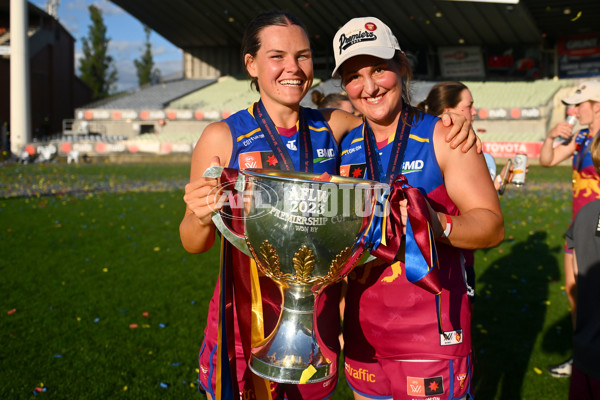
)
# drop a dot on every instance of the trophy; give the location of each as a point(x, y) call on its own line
point(304, 234)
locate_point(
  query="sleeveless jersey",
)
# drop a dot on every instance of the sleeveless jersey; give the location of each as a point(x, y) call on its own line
point(586, 181)
point(399, 318)
point(251, 150)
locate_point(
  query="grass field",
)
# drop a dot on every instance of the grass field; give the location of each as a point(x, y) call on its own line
point(100, 301)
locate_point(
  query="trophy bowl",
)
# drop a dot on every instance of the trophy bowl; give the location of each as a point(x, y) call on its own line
point(303, 233)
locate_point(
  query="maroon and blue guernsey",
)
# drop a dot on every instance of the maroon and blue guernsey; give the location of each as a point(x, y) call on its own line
point(401, 320)
point(586, 181)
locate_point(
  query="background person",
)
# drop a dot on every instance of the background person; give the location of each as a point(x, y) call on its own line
point(332, 100)
point(586, 181)
point(583, 237)
point(393, 347)
point(455, 97)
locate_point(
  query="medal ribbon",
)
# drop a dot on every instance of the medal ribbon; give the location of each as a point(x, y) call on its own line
point(394, 168)
point(239, 289)
point(585, 147)
point(274, 139)
point(384, 234)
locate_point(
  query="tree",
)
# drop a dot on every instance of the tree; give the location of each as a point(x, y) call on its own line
point(146, 72)
point(97, 68)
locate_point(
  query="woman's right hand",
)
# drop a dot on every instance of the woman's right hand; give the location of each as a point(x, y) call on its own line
point(203, 196)
point(562, 129)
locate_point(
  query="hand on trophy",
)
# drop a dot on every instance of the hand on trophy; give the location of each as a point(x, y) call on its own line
point(203, 196)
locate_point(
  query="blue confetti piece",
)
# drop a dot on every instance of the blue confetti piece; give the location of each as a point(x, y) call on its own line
point(175, 364)
point(164, 385)
point(58, 356)
point(96, 320)
point(193, 301)
point(161, 325)
point(123, 310)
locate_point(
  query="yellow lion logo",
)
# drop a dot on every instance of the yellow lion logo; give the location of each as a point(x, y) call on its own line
point(587, 183)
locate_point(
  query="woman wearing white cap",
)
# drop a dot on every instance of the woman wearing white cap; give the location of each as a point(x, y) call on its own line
point(395, 347)
point(586, 181)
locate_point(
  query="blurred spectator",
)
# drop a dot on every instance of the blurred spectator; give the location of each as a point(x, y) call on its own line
point(586, 180)
point(583, 237)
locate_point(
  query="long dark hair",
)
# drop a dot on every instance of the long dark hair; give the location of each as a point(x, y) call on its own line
point(251, 42)
point(442, 95)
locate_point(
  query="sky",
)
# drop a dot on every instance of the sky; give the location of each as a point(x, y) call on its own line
point(126, 35)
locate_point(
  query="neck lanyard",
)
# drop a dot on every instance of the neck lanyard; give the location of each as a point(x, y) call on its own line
point(274, 140)
point(373, 159)
point(584, 149)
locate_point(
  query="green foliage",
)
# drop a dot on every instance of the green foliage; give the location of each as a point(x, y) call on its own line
point(146, 72)
point(81, 262)
point(97, 67)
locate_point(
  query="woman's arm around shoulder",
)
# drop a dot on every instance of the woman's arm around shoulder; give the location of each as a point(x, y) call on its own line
point(467, 180)
point(196, 230)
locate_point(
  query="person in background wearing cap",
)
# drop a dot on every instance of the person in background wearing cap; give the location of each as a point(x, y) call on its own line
point(277, 56)
point(397, 344)
point(586, 181)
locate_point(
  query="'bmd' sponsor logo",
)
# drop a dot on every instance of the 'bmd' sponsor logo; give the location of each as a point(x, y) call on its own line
point(361, 36)
point(412, 166)
point(325, 153)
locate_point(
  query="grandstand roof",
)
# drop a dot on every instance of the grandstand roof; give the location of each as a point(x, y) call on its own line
point(153, 97)
point(192, 24)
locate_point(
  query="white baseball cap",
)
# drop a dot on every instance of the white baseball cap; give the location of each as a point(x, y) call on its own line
point(589, 90)
point(363, 36)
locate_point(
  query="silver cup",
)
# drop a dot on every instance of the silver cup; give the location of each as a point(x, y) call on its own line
point(304, 234)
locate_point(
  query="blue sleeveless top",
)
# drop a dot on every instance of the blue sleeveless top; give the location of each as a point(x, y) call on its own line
point(251, 150)
point(419, 166)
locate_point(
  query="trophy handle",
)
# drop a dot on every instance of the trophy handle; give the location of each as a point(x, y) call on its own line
point(234, 238)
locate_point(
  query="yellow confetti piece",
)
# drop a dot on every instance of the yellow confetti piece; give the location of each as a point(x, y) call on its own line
point(104, 269)
point(537, 370)
point(547, 302)
point(145, 326)
point(192, 385)
point(124, 388)
point(78, 319)
point(576, 17)
point(150, 353)
point(307, 374)
point(157, 248)
point(197, 370)
point(63, 283)
point(41, 384)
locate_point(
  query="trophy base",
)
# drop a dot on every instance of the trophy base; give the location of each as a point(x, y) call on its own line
point(280, 374)
point(292, 349)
